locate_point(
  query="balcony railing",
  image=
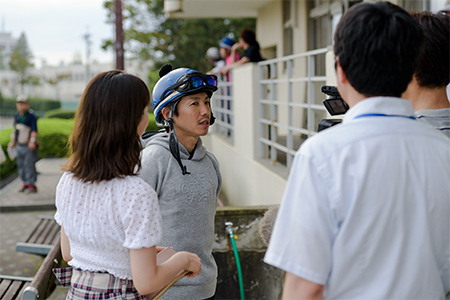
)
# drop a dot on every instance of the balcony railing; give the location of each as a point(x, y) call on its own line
point(223, 108)
point(289, 103)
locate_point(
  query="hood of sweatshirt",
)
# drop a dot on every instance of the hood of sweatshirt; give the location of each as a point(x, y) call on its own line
point(162, 139)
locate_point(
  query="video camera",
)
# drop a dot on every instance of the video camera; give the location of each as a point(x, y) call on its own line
point(335, 105)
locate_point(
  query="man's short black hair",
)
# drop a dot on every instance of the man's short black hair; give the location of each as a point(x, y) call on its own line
point(433, 64)
point(377, 45)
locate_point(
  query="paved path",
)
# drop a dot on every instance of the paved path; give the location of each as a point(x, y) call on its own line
point(18, 215)
point(49, 173)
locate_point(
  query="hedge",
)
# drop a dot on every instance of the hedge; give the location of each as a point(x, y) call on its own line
point(53, 137)
point(39, 105)
point(60, 113)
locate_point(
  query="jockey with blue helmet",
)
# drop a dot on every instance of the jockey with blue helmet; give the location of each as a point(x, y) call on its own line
point(187, 199)
point(168, 91)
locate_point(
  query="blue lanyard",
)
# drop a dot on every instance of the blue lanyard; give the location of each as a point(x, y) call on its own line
point(383, 115)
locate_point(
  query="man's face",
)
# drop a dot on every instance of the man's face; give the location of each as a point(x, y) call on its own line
point(194, 112)
point(22, 107)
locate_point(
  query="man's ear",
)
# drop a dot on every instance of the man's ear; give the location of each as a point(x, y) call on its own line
point(165, 111)
point(340, 74)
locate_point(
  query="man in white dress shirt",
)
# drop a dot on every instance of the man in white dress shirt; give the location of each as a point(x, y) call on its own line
point(366, 211)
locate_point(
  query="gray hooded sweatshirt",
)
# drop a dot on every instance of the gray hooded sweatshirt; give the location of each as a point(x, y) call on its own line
point(188, 206)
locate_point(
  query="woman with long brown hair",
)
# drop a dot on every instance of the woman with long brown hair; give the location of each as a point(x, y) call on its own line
point(110, 219)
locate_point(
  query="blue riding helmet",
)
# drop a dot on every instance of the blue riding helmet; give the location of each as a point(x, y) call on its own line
point(175, 84)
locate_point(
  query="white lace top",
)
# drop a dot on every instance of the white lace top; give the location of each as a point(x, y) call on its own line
point(104, 220)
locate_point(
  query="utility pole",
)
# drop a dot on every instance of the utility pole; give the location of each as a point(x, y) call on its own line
point(87, 39)
point(118, 46)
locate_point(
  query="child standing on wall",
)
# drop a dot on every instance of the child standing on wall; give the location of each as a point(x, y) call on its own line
point(110, 219)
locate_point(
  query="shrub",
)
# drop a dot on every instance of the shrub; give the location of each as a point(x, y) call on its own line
point(54, 145)
point(60, 114)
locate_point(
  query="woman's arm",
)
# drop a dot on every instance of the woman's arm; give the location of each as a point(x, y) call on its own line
point(227, 68)
point(148, 277)
point(65, 246)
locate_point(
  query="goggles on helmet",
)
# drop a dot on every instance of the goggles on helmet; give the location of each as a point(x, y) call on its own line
point(190, 81)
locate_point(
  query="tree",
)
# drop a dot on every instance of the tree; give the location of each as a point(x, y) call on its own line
point(21, 60)
point(2, 65)
point(149, 35)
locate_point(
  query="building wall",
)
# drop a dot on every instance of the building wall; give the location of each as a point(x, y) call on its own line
point(246, 181)
point(269, 29)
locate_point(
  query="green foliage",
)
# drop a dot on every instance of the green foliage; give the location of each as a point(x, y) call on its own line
point(8, 167)
point(21, 56)
point(54, 145)
point(153, 77)
point(149, 35)
point(152, 123)
point(51, 126)
point(60, 113)
point(20, 61)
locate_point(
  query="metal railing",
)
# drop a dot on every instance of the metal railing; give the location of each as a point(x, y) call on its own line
point(223, 108)
point(290, 104)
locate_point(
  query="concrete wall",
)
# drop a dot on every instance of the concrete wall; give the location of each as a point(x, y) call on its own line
point(269, 27)
point(246, 181)
point(260, 280)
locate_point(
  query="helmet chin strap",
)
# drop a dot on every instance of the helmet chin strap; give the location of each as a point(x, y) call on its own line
point(173, 141)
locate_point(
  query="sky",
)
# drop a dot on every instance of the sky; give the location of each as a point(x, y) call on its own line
point(54, 28)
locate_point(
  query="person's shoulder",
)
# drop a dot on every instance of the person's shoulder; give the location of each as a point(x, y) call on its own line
point(139, 184)
point(156, 143)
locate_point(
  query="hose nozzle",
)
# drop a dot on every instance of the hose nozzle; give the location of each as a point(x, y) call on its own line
point(229, 228)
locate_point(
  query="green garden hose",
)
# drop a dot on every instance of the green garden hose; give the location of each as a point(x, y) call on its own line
point(236, 256)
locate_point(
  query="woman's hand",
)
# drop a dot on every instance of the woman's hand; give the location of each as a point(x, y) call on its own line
point(193, 263)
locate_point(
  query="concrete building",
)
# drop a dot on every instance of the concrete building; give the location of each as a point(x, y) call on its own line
point(271, 107)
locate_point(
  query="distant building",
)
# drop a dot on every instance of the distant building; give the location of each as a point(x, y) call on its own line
point(64, 82)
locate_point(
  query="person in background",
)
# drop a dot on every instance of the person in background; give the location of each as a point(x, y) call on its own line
point(24, 139)
point(427, 89)
point(110, 218)
point(213, 56)
point(366, 210)
point(247, 42)
point(225, 52)
point(184, 174)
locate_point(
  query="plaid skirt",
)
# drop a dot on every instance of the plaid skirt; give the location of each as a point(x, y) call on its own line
point(86, 285)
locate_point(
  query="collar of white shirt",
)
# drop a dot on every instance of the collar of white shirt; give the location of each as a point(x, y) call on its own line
point(380, 105)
